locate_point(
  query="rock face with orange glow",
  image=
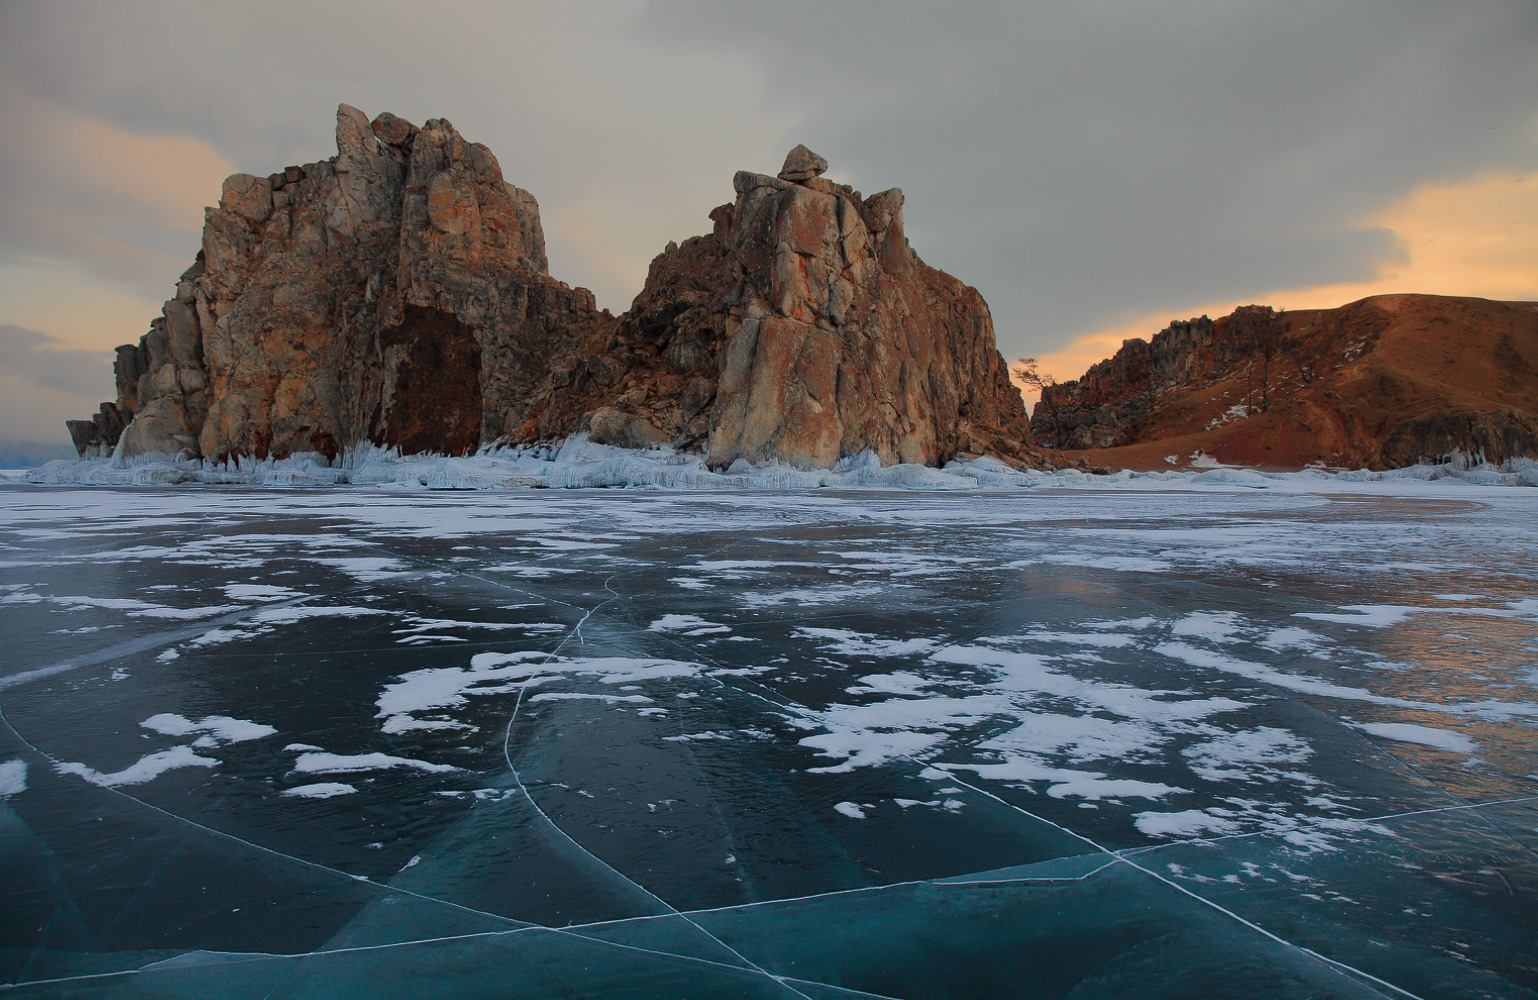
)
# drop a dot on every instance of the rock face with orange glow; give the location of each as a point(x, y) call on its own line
point(804, 329)
point(398, 293)
point(1381, 383)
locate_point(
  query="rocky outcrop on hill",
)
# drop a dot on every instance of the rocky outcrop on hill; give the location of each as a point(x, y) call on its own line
point(1383, 383)
point(399, 294)
point(1497, 436)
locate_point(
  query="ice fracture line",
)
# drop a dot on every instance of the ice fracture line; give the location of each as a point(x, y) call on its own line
point(518, 780)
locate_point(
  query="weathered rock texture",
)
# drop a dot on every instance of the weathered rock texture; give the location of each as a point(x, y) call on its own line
point(1383, 383)
point(804, 328)
point(398, 293)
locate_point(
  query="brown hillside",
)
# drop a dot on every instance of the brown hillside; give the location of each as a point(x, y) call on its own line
point(1380, 383)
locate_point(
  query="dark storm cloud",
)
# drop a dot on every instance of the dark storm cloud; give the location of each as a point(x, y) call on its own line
point(1076, 162)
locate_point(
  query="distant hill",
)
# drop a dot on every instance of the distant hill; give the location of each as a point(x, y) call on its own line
point(1384, 382)
point(30, 455)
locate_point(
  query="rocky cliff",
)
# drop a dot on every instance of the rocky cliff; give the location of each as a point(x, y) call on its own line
point(398, 294)
point(1381, 383)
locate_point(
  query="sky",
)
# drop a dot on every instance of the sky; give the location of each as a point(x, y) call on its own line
point(1095, 169)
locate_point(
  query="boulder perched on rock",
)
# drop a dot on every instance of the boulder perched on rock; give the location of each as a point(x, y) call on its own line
point(801, 164)
point(398, 293)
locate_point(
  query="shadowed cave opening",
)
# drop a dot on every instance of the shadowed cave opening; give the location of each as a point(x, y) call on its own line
point(436, 406)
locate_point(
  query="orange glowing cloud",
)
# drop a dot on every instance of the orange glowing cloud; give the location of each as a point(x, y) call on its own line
point(1477, 237)
point(104, 205)
point(170, 176)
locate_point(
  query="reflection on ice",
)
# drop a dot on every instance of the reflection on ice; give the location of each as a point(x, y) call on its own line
point(729, 744)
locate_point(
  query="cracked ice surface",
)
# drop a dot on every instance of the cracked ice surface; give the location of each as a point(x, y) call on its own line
point(1165, 741)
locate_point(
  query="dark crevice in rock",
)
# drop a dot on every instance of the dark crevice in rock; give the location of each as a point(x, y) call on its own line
point(436, 402)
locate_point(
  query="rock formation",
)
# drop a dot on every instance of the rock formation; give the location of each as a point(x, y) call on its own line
point(398, 294)
point(1381, 383)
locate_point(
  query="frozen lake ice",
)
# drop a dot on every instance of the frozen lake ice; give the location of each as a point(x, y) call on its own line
point(1234, 739)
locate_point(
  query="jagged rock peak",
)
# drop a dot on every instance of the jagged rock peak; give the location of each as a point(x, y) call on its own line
point(801, 164)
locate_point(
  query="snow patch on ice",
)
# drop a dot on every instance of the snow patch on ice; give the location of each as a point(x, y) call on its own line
point(849, 643)
point(1251, 755)
point(1089, 785)
point(1025, 689)
point(1025, 770)
point(364, 569)
point(1364, 615)
point(145, 769)
point(13, 778)
point(216, 637)
point(868, 735)
point(1291, 638)
point(1186, 823)
point(1083, 640)
point(1030, 673)
point(299, 612)
point(1212, 626)
point(1119, 564)
point(259, 592)
point(811, 597)
point(1305, 684)
point(141, 609)
point(1383, 615)
point(441, 689)
point(612, 699)
point(1406, 732)
point(333, 763)
point(219, 728)
point(319, 790)
point(897, 682)
point(688, 625)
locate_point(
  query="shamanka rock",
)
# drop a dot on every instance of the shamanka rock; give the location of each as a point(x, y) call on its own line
point(398, 293)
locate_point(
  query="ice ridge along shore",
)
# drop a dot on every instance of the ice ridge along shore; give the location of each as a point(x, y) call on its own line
point(582, 463)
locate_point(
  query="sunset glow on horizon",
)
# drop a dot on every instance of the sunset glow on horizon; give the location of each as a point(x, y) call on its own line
point(1476, 238)
point(1094, 172)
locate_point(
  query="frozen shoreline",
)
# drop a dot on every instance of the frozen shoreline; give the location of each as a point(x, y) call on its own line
point(580, 464)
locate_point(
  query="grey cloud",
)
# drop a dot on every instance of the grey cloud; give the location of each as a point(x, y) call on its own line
point(43, 360)
point(1081, 161)
point(117, 238)
point(627, 142)
point(1076, 162)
